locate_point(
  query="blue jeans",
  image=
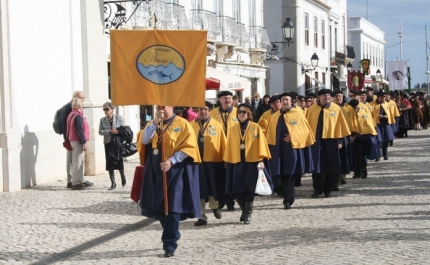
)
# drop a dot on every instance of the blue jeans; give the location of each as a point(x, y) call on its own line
point(171, 235)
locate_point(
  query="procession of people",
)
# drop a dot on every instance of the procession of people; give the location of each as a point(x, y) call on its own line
point(217, 157)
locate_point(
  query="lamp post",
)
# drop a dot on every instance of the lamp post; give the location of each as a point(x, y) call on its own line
point(378, 77)
point(288, 31)
point(314, 60)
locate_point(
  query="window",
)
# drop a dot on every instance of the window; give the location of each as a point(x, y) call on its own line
point(323, 78)
point(197, 4)
point(306, 29)
point(323, 34)
point(252, 12)
point(236, 10)
point(315, 32)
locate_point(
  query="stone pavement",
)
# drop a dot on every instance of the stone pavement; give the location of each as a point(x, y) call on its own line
point(384, 219)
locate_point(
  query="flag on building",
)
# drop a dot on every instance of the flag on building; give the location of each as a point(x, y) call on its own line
point(355, 80)
point(158, 67)
point(397, 74)
point(365, 65)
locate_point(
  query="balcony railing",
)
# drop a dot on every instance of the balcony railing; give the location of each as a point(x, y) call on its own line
point(258, 37)
point(229, 33)
point(243, 36)
point(205, 20)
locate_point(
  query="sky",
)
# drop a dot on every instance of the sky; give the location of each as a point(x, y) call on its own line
point(413, 15)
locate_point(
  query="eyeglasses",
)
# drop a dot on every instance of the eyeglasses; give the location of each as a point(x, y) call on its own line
point(106, 109)
point(241, 111)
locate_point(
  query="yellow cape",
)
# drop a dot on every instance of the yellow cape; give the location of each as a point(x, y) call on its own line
point(256, 148)
point(264, 120)
point(298, 128)
point(179, 136)
point(335, 125)
point(214, 140)
point(393, 108)
point(232, 118)
point(376, 109)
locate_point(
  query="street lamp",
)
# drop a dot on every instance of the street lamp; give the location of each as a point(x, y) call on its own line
point(349, 67)
point(314, 60)
point(288, 31)
point(378, 77)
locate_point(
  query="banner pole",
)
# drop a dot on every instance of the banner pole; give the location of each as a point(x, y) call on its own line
point(166, 198)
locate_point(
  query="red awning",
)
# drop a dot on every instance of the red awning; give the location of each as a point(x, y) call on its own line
point(212, 83)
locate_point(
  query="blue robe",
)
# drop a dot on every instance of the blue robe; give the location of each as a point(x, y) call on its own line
point(325, 152)
point(211, 177)
point(183, 188)
point(286, 160)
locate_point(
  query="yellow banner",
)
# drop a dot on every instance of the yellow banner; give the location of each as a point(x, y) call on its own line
point(158, 67)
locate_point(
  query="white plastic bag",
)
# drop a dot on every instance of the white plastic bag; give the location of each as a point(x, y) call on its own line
point(262, 187)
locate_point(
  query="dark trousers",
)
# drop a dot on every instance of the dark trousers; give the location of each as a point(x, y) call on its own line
point(360, 169)
point(288, 182)
point(246, 196)
point(384, 146)
point(171, 235)
point(323, 182)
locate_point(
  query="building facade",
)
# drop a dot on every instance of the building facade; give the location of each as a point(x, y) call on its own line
point(41, 66)
point(320, 29)
point(369, 43)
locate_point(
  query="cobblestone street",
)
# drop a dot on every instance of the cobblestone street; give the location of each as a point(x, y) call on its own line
point(384, 219)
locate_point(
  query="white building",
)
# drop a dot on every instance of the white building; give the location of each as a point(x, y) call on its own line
point(320, 28)
point(51, 48)
point(369, 43)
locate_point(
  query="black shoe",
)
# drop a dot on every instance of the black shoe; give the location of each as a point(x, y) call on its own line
point(217, 213)
point(391, 143)
point(230, 208)
point(342, 181)
point(88, 184)
point(113, 186)
point(287, 206)
point(335, 189)
point(169, 254)
point(356, 177)
point(69, 185)
point(200, 222)
point(221, 205)
point(315, 194)
point(123, 181)
point(385, 157)
point(327, 195)
point(364, 176)
point(377, 159)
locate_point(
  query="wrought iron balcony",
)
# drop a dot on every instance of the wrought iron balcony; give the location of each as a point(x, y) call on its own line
point(259, 40)
point(244, 43)
point(229, 31)
point(205, 20)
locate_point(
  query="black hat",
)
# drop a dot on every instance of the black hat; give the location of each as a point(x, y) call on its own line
point(353, 103)
point(312, 95)
point(286, 94)
point(355, 92)
point(224, 93)
point(273, 99)
point(380, 94)
point(369, 99)
point(266, 96)
point(362, 92)
point(245, 105)
point(337, 92)
point(209, 104)
point(369, 88)
point(301, 97)
point(294, 95)
point(306, 97)
point(324, 91)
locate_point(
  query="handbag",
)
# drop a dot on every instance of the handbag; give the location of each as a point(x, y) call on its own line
point(262, 187)
point(67, 145)
point(128, 149)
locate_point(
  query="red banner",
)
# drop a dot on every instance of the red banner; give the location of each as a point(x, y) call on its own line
point(355, 80)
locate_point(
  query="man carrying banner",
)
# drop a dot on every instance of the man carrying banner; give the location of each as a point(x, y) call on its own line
point(181, 167)
point(226, 115)
point(211, 143)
